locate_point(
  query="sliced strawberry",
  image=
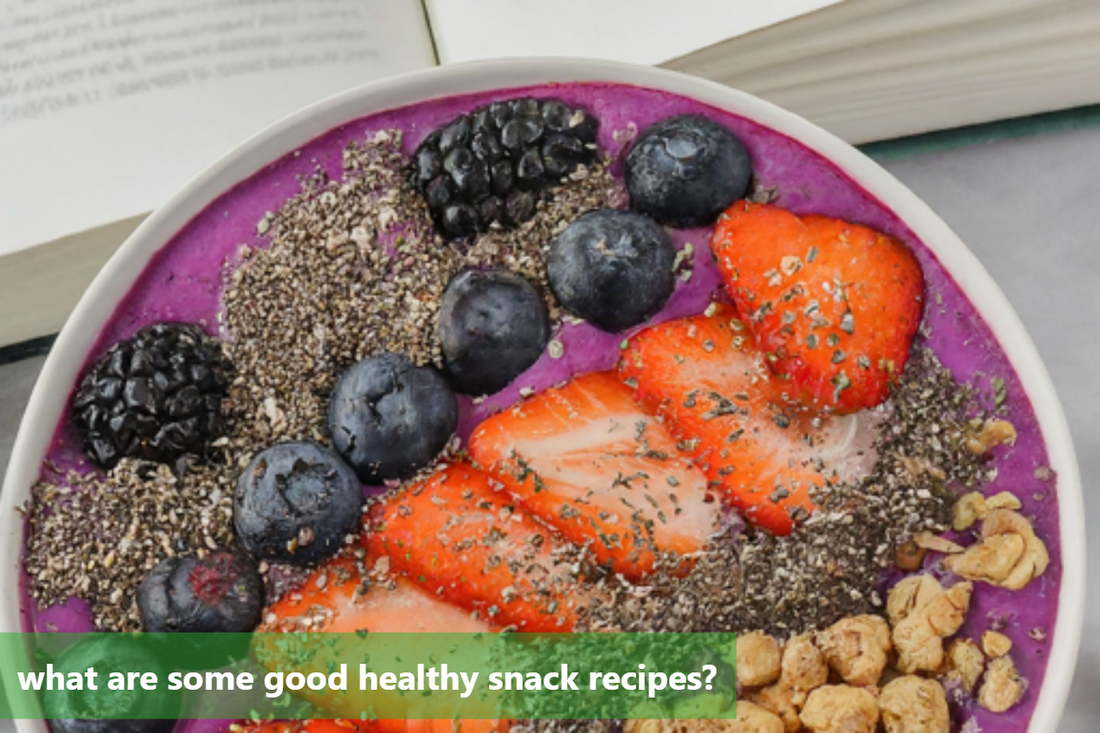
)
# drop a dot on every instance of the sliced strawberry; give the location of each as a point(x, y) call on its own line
point(466, 542)
point(834, 305)
point(707, 378)
point(332, 599)
point(588, 460)
point(438, 725)
point(337, 597)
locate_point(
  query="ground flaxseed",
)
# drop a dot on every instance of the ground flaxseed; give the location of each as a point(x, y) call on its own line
point(95, 538)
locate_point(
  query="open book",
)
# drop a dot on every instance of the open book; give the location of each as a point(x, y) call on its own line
point(107, 108)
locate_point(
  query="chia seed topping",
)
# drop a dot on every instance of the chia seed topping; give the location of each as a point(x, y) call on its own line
point(830, 566)
point(295, 311)
point(354, 267)
point(96, 538)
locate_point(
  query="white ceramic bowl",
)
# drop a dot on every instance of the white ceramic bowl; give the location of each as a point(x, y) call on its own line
point(99, 302)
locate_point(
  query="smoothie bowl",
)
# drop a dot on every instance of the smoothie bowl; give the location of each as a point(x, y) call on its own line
point(557, 346)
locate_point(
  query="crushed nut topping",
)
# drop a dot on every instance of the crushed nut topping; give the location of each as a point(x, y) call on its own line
point(995, 644)
point(989, 434)
point(803, 667)
point(924, 614)
point(973, 507)
point(778, 699)
point(1009, 554)
point(96, 538)
point(1002, 687)
point(964, 663)
point(935, 543)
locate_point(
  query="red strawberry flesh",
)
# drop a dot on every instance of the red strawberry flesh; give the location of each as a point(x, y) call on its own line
point(834, 305)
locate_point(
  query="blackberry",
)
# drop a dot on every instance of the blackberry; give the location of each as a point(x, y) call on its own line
point(156, 396)
point(491, 165)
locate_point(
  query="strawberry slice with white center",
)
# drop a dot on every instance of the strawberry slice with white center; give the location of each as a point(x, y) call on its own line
point(587, 459)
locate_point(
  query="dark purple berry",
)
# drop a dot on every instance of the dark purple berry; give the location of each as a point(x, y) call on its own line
point(561, 154)
point(519, 206)
point(156, 396)
point(221, 592)
point(295, 503)
point(492, 326)
point(428, 165)
point(684, 171)
point(490, 208)
point(140, 712)
point(529, 170)
point(439, 192)
point(454, 135)
point(460, 219)
point(389, 418)
point(612, 268)
point(503, 176)
point(529, 144)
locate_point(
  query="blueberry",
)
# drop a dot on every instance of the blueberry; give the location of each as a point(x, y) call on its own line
point(108, 653)
point(389, 418)
point(221, 592)
point(612, 268)
point(684, 171)
point(68, 725)
point(295, 503)
point(493, 326)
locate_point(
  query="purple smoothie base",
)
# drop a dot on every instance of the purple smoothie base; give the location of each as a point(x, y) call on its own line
point(184, 282)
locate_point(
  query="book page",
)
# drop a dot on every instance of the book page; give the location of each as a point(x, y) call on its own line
point(108, 106)
point(637, 31)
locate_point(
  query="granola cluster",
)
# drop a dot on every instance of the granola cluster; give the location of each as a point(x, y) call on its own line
point(865, 671)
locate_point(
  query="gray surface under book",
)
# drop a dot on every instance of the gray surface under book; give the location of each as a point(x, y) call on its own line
point(1029, 208)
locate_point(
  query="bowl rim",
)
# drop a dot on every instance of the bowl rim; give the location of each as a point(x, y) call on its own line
point(292, 132)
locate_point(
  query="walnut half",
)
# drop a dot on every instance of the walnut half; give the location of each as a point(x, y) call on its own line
point(755, 719)
point(974, 507)
point(965, 663)
point(924, 614)
point(803, 667)
point(1002, 686)
point(1009, 554)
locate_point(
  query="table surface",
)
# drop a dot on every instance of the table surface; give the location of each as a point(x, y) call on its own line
point(1029, 208)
